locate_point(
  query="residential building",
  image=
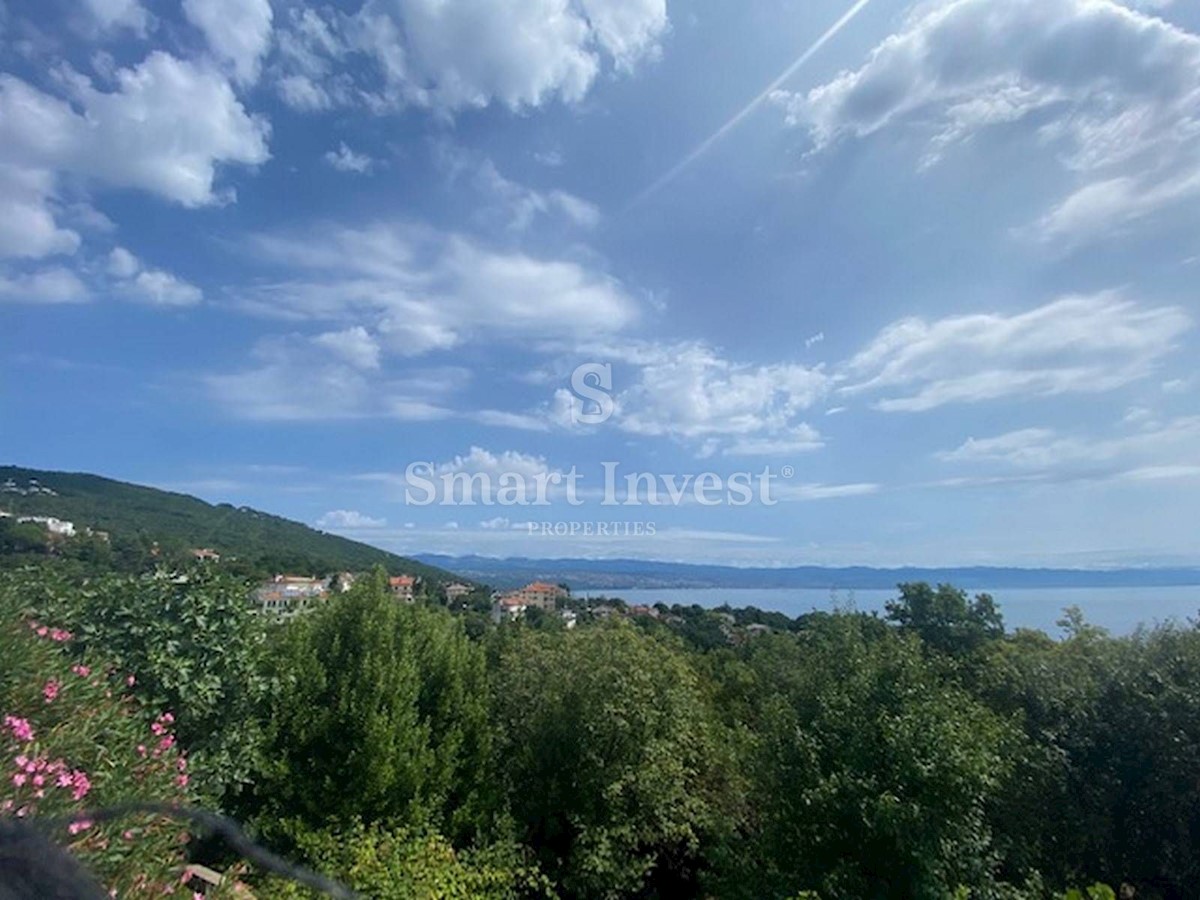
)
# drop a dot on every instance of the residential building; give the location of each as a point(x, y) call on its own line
point(508, 608)
point(206, 554)
point(287, 595)
point(541, 595)
point(404, 587)
point(456, 591)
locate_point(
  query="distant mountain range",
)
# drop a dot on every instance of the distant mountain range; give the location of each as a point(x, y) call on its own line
point(131, 512)
point(617, 574)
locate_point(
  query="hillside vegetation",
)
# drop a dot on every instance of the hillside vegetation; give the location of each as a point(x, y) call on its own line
point(137, 517)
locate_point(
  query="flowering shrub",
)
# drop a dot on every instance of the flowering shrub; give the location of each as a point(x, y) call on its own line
point(71, 741)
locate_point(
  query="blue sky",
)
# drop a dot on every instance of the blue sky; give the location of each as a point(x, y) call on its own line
point(944, 274)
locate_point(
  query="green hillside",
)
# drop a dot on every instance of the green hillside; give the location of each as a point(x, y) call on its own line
point(138, 517)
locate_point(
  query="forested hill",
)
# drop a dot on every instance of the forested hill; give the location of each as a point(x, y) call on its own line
point(137, 517)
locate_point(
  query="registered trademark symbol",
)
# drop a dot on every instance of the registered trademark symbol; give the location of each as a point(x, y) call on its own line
point(787, 471)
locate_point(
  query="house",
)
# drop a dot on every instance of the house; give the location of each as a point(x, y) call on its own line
point(569, 617)
point(206, 554)
point(287, 595)
point(456, 591)
point(403, 586)
point(342, 582)
point(541, 595)
point(508, 608)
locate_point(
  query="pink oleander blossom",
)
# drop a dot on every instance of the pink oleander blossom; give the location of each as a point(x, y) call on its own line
point(80, 825)
point(20, 728)
point(60, 635)
point(80, 785)
point(81, 671)
point(51, 689)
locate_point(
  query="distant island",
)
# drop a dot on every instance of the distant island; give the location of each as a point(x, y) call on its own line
point(631, 574)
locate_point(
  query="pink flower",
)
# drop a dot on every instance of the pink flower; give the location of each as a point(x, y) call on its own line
point(41, 631)
point(50, 691)
point(141, 749)
point(58, 634)
point(20, 728)
point(167, 717)
point(80, 825)
point(80, 784)
point(81, 671)
point(181, 780)
point(131, 681)
point(158, 728)
point(167, 743)
point(127, 834)
point(19, 779)
point(181, 764)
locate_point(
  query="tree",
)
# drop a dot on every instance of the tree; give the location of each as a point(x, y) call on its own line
point(871, 777)
point(382, 717)
point(945, 619)
point(609, 754)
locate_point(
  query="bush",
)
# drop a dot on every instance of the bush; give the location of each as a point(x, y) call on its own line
point(72, 741)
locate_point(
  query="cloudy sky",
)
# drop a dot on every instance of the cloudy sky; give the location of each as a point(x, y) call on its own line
point(938, 261)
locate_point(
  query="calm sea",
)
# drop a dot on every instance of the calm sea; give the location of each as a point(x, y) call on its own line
point(1120, 610)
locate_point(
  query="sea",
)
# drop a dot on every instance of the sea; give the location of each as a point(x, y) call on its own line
point(1120, 610)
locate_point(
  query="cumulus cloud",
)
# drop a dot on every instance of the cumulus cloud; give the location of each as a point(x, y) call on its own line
point(424, 290)
point(112, 14)
point(50, 285)
point(349, 520)
point(691, 393)
point(354, 345)
point(165, 128)
point(27, 215)
point(1074, 345)
point(154, 287)
point(346, 160)
point(237, 31)
point(454, 56)
point(1113, 92)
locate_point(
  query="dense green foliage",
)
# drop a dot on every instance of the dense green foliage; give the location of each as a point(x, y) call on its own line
point(138, 518)
point(382, 716)
point(678, 752)
point(72, 741)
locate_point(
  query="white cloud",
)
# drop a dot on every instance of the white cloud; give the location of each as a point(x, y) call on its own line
point(158, 288)
point(346, 160)
point(349, 519)
point(111, 14)
point(153, 287)
point(51, 285)
point(454, 56)
point(354, 345)
point(27, 224)
point(690, 393)
point(785, 490)
point(1154, 450)
point(165, 128)
point(1073, 345)
point(1113, 92)
point(238, 31)
point(423, 290)
point(330, 377)
point(510, 204)
point(122, 263)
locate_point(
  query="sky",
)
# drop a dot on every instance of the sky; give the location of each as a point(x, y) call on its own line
point(931, 267)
